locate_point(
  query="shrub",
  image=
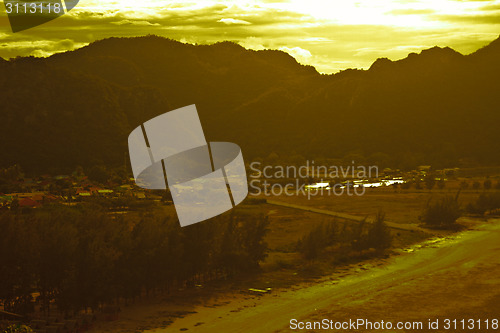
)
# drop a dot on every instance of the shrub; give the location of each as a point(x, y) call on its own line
point(443, 213)
point(485, 202)
point(430, 181)
point(378, 236)
point(17, 328)
point(311, 245)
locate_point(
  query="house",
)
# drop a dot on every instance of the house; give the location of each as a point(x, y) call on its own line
point(105, 192)
point(29, 203)
point(424, 169)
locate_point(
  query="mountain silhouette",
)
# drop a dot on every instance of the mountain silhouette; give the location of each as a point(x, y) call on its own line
point(437, 107)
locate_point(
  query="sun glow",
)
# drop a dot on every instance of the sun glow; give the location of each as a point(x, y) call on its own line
point(330, 35)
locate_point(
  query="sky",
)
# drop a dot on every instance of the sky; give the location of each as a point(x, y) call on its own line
point(331, 35)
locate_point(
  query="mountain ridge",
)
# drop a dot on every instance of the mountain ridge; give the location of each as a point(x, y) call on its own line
point(77, 108)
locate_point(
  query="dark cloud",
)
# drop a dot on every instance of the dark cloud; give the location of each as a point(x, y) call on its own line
point(207, 24)
point(12, 49)
point(491, 7)
point(470, 19)
point(328, 46)
point(209, 17)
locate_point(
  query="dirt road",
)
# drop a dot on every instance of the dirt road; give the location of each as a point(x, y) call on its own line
point(456, 278)
point(348, 217)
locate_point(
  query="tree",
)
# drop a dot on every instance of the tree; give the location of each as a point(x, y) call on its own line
point(18, 258)
point(430, 181)
point(99, 174)
point(272, 159)
point(80, 257)
point(379, 236)
point(254, 230)
point(485, 202)
point(78, 172)
point(14, 205)
point(311, 245)
point(57, 240)
point(443, 213)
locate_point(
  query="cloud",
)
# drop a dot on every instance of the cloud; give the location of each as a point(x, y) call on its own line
point(490, 7)
point(37, 48)
point(316, 39)
point(135, 22)
point(325, 43)
point(471, 19)
point(232, 21)
point(303, 56)
point(410, 11)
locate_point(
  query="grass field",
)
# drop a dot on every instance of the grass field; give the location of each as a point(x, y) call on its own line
point(284, 265)
point(288, 225)
point(284, 268)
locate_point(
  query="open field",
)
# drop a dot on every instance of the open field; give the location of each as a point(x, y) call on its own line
point(400, 206)
point(454, 278)
point(284, 268)
point(375, 289)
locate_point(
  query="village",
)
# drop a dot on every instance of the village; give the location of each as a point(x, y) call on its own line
point(18, 191)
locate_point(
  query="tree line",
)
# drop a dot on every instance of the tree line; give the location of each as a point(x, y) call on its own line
point(82, 257)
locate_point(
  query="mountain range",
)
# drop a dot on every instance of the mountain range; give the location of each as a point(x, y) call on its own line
point(437, 107)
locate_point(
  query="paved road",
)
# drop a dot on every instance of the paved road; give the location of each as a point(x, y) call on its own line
point(458, 278)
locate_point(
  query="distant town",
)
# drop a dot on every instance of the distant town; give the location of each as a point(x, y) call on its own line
point(21, 192)
point(18, 191)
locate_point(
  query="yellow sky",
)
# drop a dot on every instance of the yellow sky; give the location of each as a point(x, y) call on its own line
point(328, 34)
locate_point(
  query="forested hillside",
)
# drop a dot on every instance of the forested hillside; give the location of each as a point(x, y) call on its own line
point(77, 108)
